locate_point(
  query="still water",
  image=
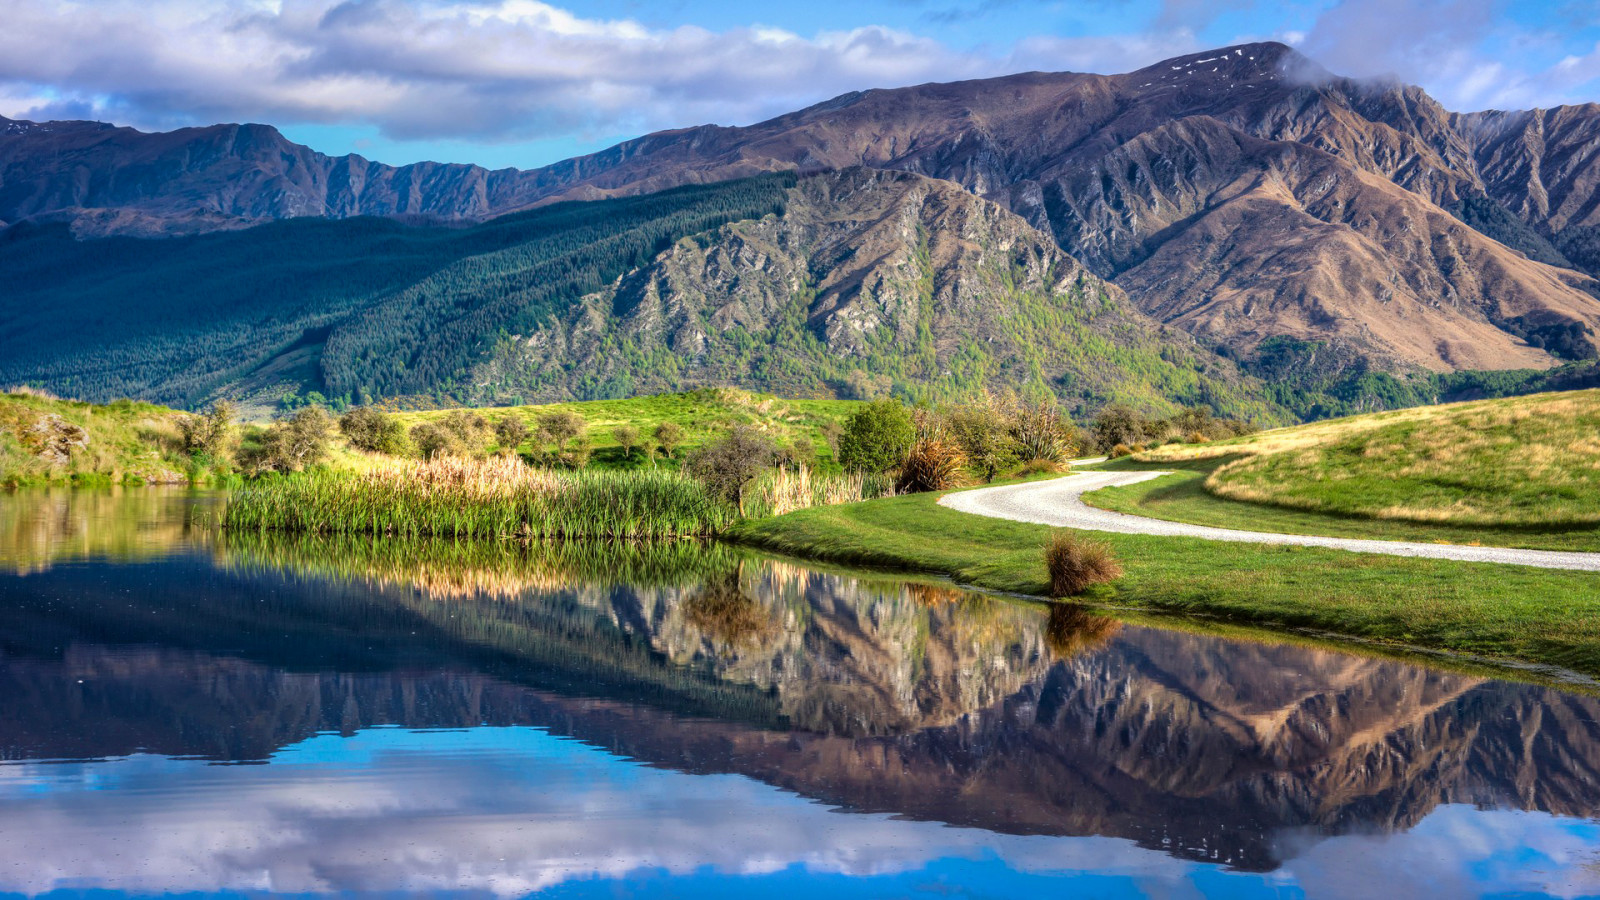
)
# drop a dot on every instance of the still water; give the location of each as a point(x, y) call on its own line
point(186, 712)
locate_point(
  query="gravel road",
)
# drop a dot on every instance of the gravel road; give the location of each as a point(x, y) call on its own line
point(1060, 502)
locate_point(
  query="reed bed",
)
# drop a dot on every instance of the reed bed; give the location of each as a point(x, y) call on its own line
point(499, 497)
point(781, 491)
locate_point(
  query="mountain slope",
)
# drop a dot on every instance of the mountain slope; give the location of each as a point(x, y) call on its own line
point(1244, 195)
point(846, 283)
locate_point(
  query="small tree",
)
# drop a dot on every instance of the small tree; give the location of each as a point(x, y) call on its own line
point(1118, 424)
point(559, 428)
point(669, 435)
point(877, 437)
point(726, 465)
point(628, 438)
point(509, 432)
point(373, 430)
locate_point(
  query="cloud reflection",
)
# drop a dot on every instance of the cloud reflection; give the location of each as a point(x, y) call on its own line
point(515, 810)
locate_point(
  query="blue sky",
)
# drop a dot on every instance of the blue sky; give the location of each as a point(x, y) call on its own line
point(525, 82)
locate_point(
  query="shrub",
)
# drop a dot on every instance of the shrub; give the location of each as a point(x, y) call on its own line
point(1121, 450)
point(1076, 563)
point(292, 444)
point(210, 433)
point(628, 438)
point(726, 465)
point(877, 437)
point(669, 436)
point(373, 430)
point(434, 440)
point(932, 465)
point(470, 428)
point(984, 436)
point(1118, 424)
point(509, 432)
point(1198, 437)
point(1040, 467)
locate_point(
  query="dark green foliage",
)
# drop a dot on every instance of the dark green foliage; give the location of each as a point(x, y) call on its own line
point(350, 308)
point(1581, 244)
point(373, 430)
point(1567, 340)
point(877, 437)
point(1494, 220)
point(725, 466)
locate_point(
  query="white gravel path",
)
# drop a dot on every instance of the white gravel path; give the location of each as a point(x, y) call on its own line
point(1059, 502)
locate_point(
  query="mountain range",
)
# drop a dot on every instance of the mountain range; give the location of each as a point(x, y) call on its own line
point(1266, 216)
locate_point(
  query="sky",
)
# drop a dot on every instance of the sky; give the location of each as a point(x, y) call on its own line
point(524, 83)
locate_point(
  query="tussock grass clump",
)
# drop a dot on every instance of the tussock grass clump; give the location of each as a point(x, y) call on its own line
point(1077, 563)
point(481, 498)
point(933, 465)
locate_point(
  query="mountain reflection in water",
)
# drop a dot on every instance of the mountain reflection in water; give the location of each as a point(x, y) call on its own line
point(624, 711)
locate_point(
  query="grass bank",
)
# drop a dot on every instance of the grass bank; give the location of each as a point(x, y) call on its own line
point(1509, 612)
point(46, 440)
point(1183, 497)
point(499, 497)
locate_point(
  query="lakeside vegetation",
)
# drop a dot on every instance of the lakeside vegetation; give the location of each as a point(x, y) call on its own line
point(1517, 472)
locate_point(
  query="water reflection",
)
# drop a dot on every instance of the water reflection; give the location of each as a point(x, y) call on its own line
point(625, 709)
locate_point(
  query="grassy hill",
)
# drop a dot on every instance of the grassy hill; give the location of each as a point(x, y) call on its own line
point(1521, 472)
point(44, 439)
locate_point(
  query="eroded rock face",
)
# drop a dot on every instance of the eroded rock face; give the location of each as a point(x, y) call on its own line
point(55, 439)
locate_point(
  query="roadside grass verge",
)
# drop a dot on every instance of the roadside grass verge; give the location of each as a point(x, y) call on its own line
point(1512, 613)
point(1182, 497)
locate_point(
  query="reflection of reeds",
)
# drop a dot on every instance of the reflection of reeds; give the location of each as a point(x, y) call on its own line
point(40, 527)
point(461, 569)
point(496, 497)
point(1072, 629)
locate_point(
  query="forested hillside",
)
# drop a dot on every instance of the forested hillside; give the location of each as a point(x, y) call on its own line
point(854, 284)
point(352, 308)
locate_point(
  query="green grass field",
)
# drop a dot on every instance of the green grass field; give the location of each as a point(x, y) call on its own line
point(1513, 472)
point(704, 415)
point(126, 442)
point(1507, 612)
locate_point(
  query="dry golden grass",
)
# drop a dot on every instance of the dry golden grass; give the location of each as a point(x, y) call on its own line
point(1521, 461)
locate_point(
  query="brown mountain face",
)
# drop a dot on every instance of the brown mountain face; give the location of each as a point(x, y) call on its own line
point(909, 278)
point(1241, 194)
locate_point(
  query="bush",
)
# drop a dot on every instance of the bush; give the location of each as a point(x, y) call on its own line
point(434, 440)
point(669, 437)
point(1077, 563)
point(726, 465)
point(292, 444)
point(932, 465)
point(1040, 467)
point(209, 434)
point(470, 428)
point(1121, 450)
point(984, 436)
point(877, 437)
point(373, 430)
point(1118, 424)
point(509, 432)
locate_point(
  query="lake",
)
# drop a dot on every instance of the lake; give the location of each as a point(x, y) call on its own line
point(183, 711)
